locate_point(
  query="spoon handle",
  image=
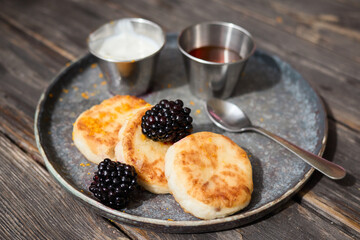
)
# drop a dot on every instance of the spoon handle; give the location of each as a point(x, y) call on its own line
point(329, 169)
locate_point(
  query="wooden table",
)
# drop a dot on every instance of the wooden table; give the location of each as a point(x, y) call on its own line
point(320, 39)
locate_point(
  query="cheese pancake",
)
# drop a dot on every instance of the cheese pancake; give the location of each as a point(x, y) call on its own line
point(209, 175)
point(146, 155)
point(95, 131)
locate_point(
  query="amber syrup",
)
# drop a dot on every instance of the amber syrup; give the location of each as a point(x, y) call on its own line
point(215, 54)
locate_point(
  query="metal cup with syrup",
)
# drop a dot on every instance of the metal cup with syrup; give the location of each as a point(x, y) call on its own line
point(208, 78)
point(131, 73)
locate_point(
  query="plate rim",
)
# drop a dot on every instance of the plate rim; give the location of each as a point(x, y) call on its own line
point(166, 224)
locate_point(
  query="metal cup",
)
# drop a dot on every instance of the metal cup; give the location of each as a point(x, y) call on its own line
point(211, 79)
point(131, 76)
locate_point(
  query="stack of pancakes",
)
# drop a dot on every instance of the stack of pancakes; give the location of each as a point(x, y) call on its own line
point(207, 173)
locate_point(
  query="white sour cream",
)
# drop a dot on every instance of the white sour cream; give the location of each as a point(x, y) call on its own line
point(126, 44)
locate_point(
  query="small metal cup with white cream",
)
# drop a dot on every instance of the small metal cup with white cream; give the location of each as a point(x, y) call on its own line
point(127, 50)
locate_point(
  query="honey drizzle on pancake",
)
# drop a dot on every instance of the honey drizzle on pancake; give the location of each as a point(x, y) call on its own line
point(96, 130)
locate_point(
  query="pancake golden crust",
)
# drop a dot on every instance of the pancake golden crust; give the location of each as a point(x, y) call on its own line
point(146, 155)
point(95, 132)
point(209, 175)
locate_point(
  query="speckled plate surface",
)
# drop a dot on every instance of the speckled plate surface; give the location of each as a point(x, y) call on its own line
point(271, 92)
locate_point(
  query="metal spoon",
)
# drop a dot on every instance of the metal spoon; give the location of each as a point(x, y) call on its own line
point(231, 118)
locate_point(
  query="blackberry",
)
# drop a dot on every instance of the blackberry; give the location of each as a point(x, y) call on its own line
point(113, 183)
point(167, 121)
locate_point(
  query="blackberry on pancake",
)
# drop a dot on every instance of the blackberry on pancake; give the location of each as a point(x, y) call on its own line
point(146, 155)
point(167, 121)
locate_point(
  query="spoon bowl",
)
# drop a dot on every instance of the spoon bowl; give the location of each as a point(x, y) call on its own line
point(231, 118)
point(226, 115)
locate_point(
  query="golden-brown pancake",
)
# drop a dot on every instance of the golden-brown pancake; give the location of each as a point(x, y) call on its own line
point(146, 155)
point(95, 131)
point(209, 175)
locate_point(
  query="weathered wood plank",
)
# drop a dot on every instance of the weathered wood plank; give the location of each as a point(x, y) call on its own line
point(196, 11)
point(338, 200)
point(26, 68)
point(19, 128)
point(68, 24)
point(322, 22)
point(299, 223)
point(93, 14)
point(138, 233)
point(339, 88)
point(292, 222)
point(319, 66)
point(325, 69)
point(33, 206)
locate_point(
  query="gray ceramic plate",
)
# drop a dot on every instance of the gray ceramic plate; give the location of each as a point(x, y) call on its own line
point(273, 94)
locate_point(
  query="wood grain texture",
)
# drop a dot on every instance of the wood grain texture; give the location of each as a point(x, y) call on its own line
point(26, 68)
point(68, 24)
point(322, 24)
point(33, 206)
point(291, 222)
point(332, 69)
point(309, 58)
point(318, 38)
point(295, 222)
point(261, 28)
point(338, 200)
point(137, 233)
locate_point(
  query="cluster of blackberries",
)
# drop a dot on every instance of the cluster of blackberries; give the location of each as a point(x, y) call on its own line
point(167, 121)
point(113, 183)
